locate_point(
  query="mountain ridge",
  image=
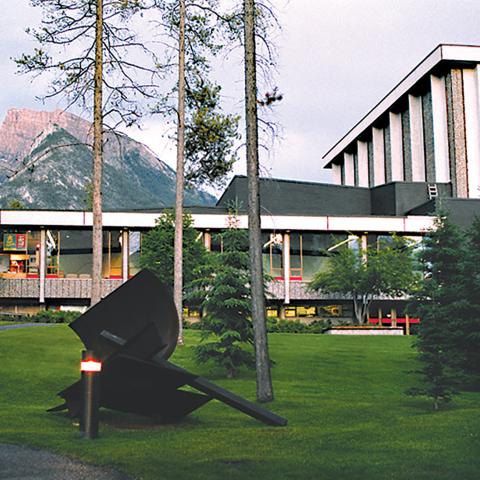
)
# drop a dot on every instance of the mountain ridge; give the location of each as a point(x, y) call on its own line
point(53, 149)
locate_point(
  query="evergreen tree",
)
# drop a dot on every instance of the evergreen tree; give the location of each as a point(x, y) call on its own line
point(227, 326)
point(467, 323)
point(438, 302)
point(158, 246)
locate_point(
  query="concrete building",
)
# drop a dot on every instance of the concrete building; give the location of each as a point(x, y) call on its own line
point(420, 146)
point(427, 129)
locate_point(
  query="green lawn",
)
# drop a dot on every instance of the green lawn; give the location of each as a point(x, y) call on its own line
point(343, 397)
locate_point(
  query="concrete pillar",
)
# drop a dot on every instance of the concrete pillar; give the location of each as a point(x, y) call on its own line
point(336, 173)
point(362, 149)
point(416, 138)
point(440, 129)
point(396, 146)
point(378, 156)
point(286, 266)
point(207, 240)
point(42, 270)
point(125, 254)
point(407, 325)
point(456, 133)
point(472, 130)
point(364, 246)
point(349, 167)
point(393, 316)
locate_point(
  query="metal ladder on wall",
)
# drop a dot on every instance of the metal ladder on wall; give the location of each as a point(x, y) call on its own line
point(432, 191)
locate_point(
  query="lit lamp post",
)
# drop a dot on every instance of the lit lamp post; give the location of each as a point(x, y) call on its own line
point(90, 368)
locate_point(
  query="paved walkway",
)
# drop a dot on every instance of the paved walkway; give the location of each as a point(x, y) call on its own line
point(22, 463)
point(23, 325)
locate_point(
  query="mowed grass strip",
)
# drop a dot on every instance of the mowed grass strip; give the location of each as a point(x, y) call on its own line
point(343, 396)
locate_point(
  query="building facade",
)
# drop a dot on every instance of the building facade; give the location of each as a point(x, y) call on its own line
point(418, 149)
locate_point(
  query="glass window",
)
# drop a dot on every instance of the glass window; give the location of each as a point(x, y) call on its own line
point(330, 310)
point(306, 311)
point(290, 312)
point(134, 252)
point(69, 253)
point(216, 244)
point(272, 312)
point(112, 254)
point(315, 249)
point(296, 258)
point(19, 253)
point(272, 254)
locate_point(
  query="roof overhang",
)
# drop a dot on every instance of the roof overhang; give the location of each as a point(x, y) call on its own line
point(443, 53)
point(133, 221)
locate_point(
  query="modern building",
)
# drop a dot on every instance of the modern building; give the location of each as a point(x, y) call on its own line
point(419, 147)
point(427, 129)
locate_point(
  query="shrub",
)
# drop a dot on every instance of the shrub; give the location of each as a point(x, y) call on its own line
point(53, 316)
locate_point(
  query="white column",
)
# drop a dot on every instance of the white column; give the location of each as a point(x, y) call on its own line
point(416, 138)
point(396, 146)
point(207, 240)
point(336, 174)
point(378, 156)
point(42, 271)
point(286, 266)
point(362, 163)
point(472, 126)
point(349, 169)
point(440, 129)
point(125, 254)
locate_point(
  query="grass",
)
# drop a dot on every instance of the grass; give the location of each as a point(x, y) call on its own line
point(343, 397)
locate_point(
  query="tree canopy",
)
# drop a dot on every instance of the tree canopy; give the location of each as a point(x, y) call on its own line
point(384, 269)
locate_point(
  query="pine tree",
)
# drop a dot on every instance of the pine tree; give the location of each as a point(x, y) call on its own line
point(438, 303)
point(227, 326)
point(467, 323)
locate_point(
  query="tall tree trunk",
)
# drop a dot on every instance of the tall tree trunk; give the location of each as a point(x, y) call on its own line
point(97, 160)
point(178, 244)
point(262, 359)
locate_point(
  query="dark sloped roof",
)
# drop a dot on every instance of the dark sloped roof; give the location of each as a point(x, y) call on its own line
point(292, 197)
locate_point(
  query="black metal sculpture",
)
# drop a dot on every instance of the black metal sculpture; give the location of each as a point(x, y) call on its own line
point(134, 331)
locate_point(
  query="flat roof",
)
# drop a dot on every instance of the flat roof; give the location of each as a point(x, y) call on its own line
point(442, 53)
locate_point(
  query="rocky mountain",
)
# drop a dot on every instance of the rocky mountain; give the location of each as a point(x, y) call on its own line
point(46, 162)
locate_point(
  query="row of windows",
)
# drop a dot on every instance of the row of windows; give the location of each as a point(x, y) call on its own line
point(68, 253)
point(298, 311)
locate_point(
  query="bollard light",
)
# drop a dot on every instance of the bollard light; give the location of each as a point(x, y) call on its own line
point(90, 367)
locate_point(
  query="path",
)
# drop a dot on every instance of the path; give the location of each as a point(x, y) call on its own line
point(23, 463)
point(23, 325)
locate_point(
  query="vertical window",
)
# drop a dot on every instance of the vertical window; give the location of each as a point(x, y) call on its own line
point(134, 252)
point(272, 254)
point(112, 254)
point(70, 253)
point(296, 256)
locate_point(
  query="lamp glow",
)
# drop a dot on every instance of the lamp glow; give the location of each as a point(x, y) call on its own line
point(90, 366)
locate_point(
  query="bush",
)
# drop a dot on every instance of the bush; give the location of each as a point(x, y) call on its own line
point(53, 316)
point(295, 326)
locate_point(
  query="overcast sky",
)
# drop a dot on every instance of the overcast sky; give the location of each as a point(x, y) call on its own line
point(337, 59)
